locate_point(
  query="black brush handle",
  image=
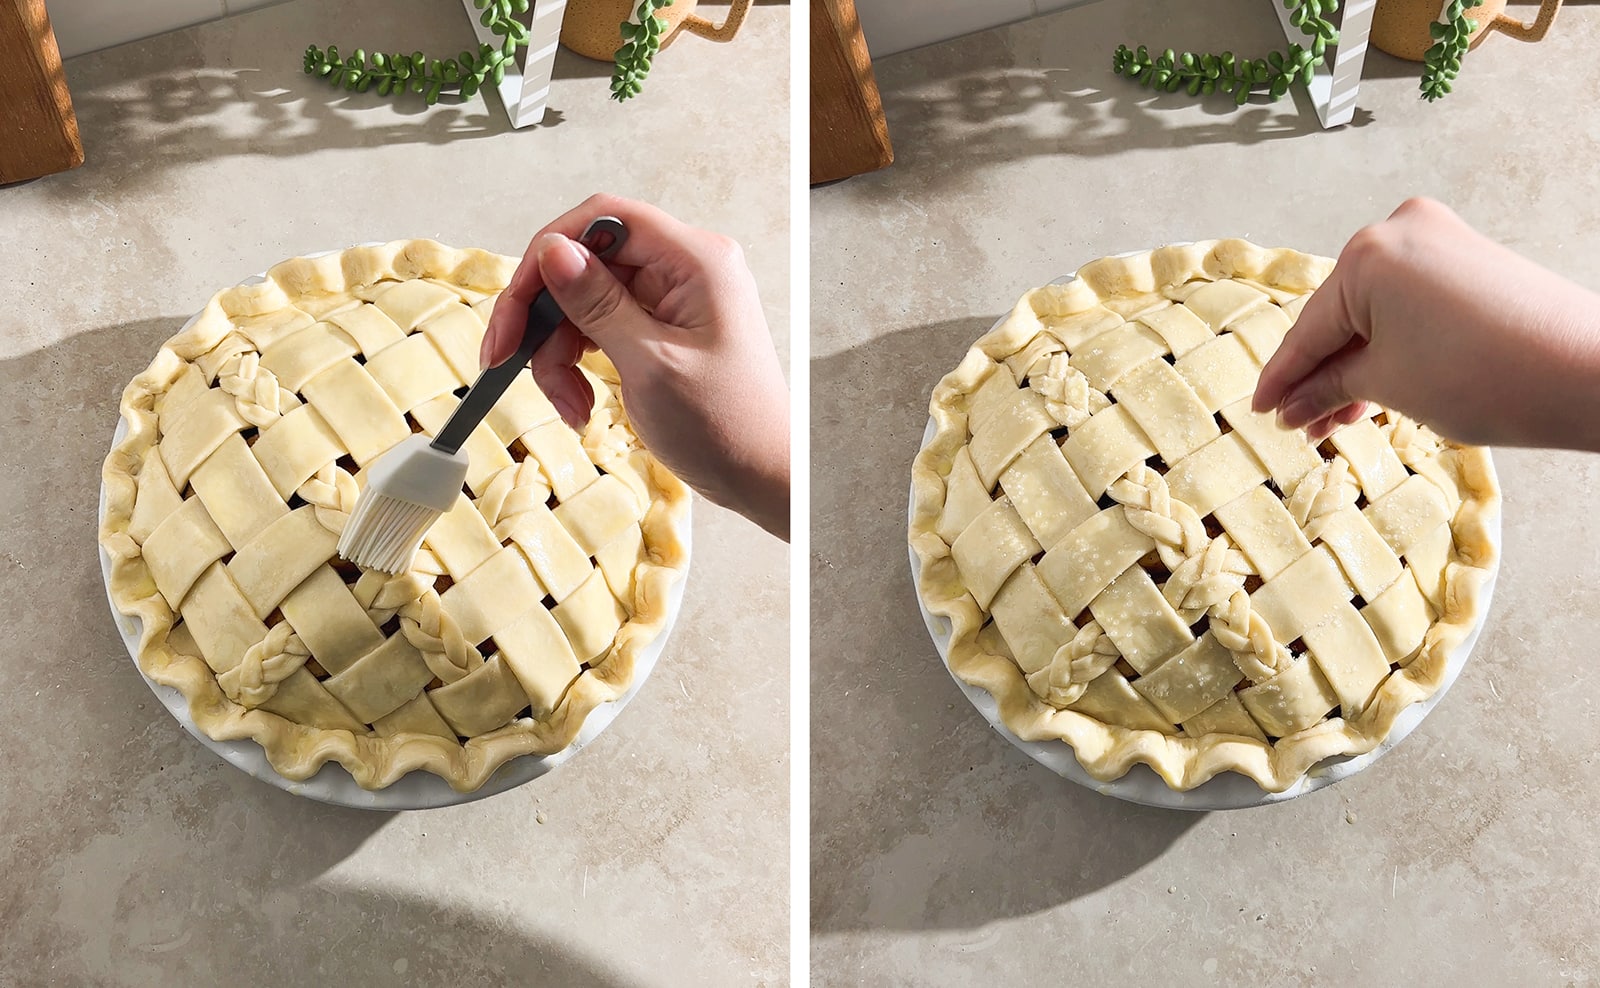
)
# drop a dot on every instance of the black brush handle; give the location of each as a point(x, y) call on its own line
point(604, 237)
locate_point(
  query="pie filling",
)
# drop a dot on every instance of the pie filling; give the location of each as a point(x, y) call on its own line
point(1101, 510)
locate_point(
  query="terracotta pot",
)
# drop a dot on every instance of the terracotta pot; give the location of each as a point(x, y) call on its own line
point(593, 28)
point(1400, 27)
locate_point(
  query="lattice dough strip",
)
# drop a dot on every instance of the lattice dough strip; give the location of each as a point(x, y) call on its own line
point(302, 699)
point(222, 622)
point(1030, 620)
point(1221, 372)
point(277, 560)
point(157, 499)
point(1399, 617)
point(237, 493)
point(1284, 452)
point(1263, 530)
point(298, 358)
point(561, 564)
point(1301, 596)
point(1000, 436)
point(1166, 409)
point(181, 548)
point(1108, 356)
point(1371, 458)
point(1041, 485)
point(1217, 473)
point(413, 371)
point(410, 303)
point(1138, 618)
point(1191, 681)
point(536, 650)
point(492, 596)
point(461, 539)
point(356, 409)
point(294, 448)
point(562, 458)
point(1106, 447)
point(372, 330)
point(329, 620)
point(991, 549)
point(487, 698)
point(1076, 569)
point(965, 496)
point(1179, 328)
point(416, 716)
point(1349, 656)
point(598, 513)
point(590, 616)
point(1226, 716)
point(1291, 701)
point(1367, 561)
point(1110, 698)
point(381, 681)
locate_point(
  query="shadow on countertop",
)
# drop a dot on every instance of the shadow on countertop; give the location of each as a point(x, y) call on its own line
point(175, 99)
point(131, 854)
point(922, 817)
point(1045, 88)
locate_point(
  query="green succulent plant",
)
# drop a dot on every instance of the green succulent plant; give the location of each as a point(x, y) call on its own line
point(1204, 73)
point(1442, 62)
point(394, 74)
point(640, 42)
point(1272, 76)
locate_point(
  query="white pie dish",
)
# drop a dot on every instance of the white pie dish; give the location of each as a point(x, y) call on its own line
point(1227, 790)
point(417, 790)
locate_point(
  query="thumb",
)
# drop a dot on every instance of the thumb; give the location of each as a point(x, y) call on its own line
point(591, 296)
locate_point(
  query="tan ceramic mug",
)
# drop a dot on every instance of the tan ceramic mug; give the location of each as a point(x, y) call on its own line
point(1400, 27)
point(592, 28)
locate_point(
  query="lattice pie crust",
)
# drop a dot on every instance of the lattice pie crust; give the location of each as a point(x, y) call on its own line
point(247, 442)
point(1136, 563)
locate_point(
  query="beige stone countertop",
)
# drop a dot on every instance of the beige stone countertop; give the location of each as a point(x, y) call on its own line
point(942, 855)
point(133, 856)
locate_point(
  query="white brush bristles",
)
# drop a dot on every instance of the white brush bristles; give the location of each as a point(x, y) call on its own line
point(383, 532)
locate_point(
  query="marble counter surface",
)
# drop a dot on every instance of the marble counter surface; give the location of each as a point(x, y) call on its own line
point(133, 856)
point(942, 855)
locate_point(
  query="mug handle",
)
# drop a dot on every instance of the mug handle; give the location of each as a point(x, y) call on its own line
point(696, 24)
point(1514, 28)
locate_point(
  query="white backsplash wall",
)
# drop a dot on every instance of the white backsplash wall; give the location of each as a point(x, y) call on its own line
point(899, 25)
point(89, 25)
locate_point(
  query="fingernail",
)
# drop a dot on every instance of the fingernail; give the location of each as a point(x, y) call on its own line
point(560, 260)
point(490, 337)
point(570, 413)
point(1295, 414)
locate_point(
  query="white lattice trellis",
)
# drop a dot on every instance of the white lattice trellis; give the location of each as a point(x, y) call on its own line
point(526, 87)
point(1333, 88)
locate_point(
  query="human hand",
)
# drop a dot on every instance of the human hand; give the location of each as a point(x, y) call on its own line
point(1427, 316)
point(676, 310)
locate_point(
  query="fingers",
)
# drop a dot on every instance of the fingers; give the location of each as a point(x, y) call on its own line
point(1322, 394)
point(653, 235)
point(595, 301)
point(555, 370)
point(1323, 329)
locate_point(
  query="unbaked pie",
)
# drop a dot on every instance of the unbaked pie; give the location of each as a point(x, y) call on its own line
point(1136, 563)
point(246, 447)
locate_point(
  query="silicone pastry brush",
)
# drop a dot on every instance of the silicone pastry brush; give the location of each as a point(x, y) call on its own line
point(411, 485)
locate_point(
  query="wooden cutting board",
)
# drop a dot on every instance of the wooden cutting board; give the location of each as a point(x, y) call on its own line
point(848, 132)
point(38, 130)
